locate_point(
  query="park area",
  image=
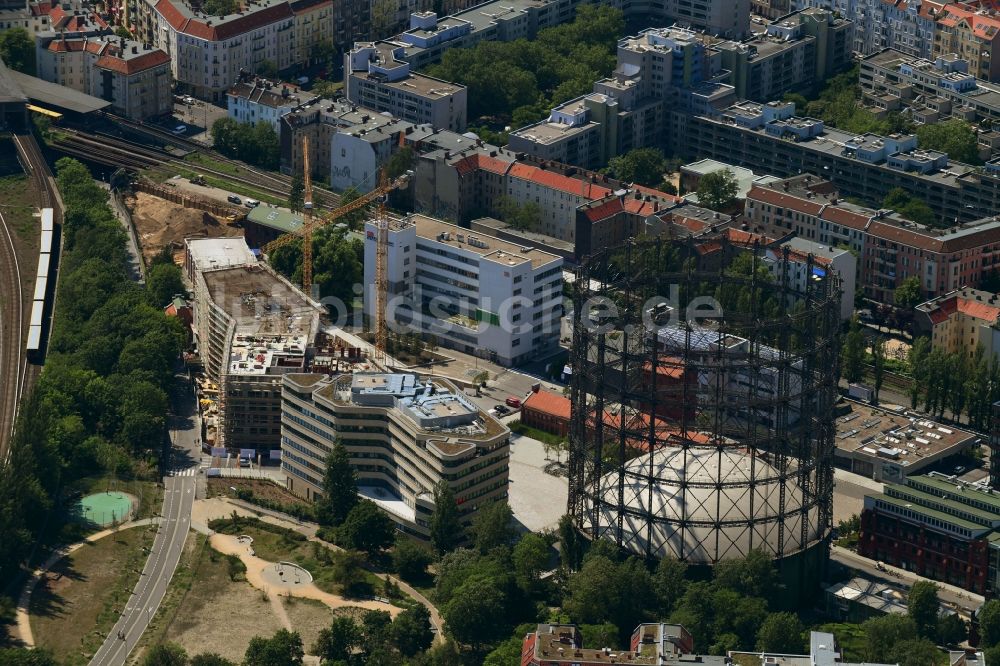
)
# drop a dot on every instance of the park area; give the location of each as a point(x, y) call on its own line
point(78, 601)
point(105, 509)
point(211, 608)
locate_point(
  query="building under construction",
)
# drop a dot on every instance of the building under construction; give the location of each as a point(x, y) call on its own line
point(253, 326)
point(702, 405)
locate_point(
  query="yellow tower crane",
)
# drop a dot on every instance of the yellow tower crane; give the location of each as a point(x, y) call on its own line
point(307, 204)
point(312, 223)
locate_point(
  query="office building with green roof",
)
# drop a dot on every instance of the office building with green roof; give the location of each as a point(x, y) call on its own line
point(938, 527)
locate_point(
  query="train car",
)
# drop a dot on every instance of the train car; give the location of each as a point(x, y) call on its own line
point(43, 265)
point(37, 309)
point(40, 287)
point(47, 220)
point(46, 242)
point(34, 346)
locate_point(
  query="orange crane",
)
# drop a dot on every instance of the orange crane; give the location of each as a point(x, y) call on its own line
point(312, 223)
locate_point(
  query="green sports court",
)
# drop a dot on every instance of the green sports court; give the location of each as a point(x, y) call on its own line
point(105, 508)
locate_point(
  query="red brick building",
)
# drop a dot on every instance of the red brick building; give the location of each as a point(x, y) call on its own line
point(547, 411)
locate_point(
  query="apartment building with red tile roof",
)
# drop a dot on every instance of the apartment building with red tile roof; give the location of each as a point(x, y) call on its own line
point(130, 75)
point(961, 321)
point(208, 52)
point(972, 33)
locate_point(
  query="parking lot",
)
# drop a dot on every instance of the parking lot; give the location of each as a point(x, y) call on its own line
point(197, 117)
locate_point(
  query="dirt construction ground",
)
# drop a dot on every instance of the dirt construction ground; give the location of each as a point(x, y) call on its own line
point(160, 222)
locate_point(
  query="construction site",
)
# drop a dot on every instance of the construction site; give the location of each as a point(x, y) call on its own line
point(703, 438)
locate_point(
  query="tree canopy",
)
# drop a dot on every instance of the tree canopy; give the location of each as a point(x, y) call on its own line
point(908, 294)
point(718, 190)
point(644, 166)
point(367, 528)
point(521, 80)
point(909, 207)
point(340, 488)
point(955, 137)
point(17, 49)
point(282, 649)
point(254, 144)
point(446, 526)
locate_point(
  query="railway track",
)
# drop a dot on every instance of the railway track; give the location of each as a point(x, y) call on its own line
point(17, 375)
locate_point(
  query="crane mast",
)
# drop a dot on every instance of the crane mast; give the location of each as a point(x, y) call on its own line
point(381, 279)
point(307, 205)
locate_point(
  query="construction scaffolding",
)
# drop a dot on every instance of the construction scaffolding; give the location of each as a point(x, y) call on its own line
point(702, 400)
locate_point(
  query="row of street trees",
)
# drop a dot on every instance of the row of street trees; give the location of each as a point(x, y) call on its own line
point(101, 401)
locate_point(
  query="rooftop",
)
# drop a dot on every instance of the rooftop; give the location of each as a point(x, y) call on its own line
point(451, 421)
point(9, 90)
point(261, 303)
point(416, 83)
point(254, 15)
point(974, 303)
point(53, 94)
point(280, 219)
point(487, 247)
point(212, 253)
point(879, 596)
point(273, 94)
point(884, 436)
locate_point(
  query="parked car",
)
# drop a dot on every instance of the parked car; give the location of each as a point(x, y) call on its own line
point(233, 199)
point(513, 402)
point(244, 462)
point(251, 203)
point(959, 469)
point(180, 129)
point(501, 410)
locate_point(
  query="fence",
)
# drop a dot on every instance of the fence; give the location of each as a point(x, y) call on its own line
point(184, 199)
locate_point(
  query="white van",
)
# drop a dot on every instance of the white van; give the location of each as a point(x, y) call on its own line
point(251, 203)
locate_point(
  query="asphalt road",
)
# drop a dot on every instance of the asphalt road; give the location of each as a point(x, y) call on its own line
point(160, 565)
point(180, 488)
point(896, 576)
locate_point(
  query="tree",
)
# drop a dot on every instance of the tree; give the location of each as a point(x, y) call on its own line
point(337, 642)
point(123, 32)
point(267, 69)
point(356, 218)
point(915, 652)
point(524, 216)
point(669, 582)
point(922, 607)
point(718, 190)
point(570, 548)
point(751, 576)
point(340, 488)
point(883, 633)
point(166, 654)
point(951, 629)
point(908, 295)
point(410, 560)
point(282, 649)
point(644, 166)
point(446, 527)
point(916, 360)
point(989, 623)
point(530, 559)
point(853, 355)
point(296, 193)
point(411, 631)
point(878, 363)
point(210, 659)
point(605, 591)
point(367, 529)
point(913, 209)
point(163, 282)
point(491, 526)
point(955, 137)
point(219, 7)
point(476, 614)
point(399, 163)
point(17, 50)
point(781, 633)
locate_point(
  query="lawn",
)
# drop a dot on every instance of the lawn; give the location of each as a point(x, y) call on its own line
point(74, 609)
point(850, 639)
point(267, 494)
point(18, 197)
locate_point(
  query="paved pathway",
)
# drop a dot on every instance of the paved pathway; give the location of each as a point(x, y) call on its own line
point(219, 507)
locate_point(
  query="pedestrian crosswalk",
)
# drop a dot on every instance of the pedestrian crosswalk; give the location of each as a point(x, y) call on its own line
point(189, 471)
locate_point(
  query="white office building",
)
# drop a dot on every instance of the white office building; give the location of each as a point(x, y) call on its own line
point(472, 292)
